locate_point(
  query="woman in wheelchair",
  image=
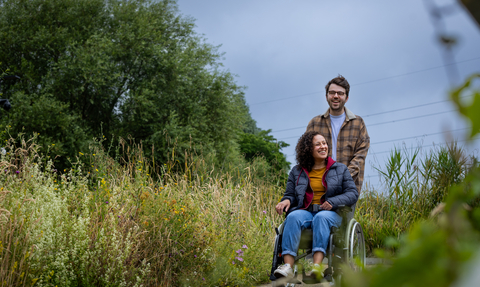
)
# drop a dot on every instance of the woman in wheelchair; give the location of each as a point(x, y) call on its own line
point(316, 187)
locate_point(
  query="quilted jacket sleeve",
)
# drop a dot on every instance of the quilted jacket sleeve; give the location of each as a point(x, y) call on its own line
point(290, 190)
point(350, 194)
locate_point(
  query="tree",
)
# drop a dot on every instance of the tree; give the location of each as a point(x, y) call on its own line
point(263, 144)
point(125, 68)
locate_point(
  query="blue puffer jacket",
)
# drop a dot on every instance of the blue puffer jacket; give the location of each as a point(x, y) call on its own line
point(340, 187)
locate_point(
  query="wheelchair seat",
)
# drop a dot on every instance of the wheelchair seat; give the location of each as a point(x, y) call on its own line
point(346, 245)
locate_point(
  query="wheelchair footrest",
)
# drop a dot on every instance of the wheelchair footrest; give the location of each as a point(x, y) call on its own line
point(328, 277)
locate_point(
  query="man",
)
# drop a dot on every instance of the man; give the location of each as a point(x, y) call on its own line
point(344, 130)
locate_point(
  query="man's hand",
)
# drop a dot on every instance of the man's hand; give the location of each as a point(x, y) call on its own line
point(283, 205)
point(326, 206)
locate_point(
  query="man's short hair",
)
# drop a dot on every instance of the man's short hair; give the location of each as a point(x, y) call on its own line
point(340, 81)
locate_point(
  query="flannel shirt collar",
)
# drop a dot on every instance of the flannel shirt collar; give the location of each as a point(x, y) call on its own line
point(348, 114)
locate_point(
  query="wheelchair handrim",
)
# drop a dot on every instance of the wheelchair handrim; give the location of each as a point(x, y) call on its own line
point(352, 226)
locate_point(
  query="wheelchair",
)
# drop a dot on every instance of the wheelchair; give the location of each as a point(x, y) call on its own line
point(346, 247)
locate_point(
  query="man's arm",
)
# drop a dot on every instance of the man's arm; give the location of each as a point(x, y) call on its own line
point(357, 163)
point(311, 125)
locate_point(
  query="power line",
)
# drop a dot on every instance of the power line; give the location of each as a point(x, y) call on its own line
point(423, 146)
point(381, 113)
point(391, 140)
point(372, 81)
point(369, 176)
point(424, 135)
point(408, 108)
point(400, 120)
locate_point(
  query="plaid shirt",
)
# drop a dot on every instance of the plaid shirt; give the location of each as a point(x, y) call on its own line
point(352, 142)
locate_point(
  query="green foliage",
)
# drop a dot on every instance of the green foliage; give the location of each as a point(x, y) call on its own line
point(134, 69)
point(470, 110)
point(261, 144)
point(416, 184)
point(111, 224)
point(438, 250)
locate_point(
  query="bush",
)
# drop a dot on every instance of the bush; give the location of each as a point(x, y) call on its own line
point(120, 223)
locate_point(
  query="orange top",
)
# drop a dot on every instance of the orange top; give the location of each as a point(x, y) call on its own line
point(316, 184)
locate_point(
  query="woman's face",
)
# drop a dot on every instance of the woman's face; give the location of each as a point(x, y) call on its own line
point(320, 148)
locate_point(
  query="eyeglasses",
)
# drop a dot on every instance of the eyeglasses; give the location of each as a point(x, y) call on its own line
point(332, 93)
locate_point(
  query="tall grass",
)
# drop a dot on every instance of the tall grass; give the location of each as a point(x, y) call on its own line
point(131, 221)
point(127, 220)
point(415, 184)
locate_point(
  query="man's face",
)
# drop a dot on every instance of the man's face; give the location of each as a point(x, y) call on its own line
point(335, 100)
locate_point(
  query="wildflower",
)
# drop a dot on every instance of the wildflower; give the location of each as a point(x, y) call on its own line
point(264, 212)
point(239, 259)
point(239, 252)
point(80, 153)
point(233, 262)
point(245, 246)
point(106, 202)
point(195, 256)
point(17, 172)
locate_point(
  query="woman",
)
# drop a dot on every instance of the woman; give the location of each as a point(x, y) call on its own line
point(315, 189)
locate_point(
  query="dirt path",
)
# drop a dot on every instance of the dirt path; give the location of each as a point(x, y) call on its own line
point(326, 284)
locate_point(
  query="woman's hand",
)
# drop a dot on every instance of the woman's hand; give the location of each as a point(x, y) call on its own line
point(326, 206)
point(283, 205)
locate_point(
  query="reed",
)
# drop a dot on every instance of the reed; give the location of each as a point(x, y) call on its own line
point(415, 183)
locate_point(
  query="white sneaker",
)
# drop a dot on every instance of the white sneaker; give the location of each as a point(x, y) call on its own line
point(284, 271)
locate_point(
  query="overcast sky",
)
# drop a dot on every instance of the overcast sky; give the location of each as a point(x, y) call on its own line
point(284, 52)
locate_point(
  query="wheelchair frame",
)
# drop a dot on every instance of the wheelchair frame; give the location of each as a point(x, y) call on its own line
point(346, 246)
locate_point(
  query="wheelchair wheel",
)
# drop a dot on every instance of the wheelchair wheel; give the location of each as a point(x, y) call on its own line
point(355, 245)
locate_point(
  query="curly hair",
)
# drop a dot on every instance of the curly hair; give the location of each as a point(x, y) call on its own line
point(304, 150)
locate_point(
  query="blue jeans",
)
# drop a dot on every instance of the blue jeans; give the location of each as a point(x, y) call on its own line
point(320, 222)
